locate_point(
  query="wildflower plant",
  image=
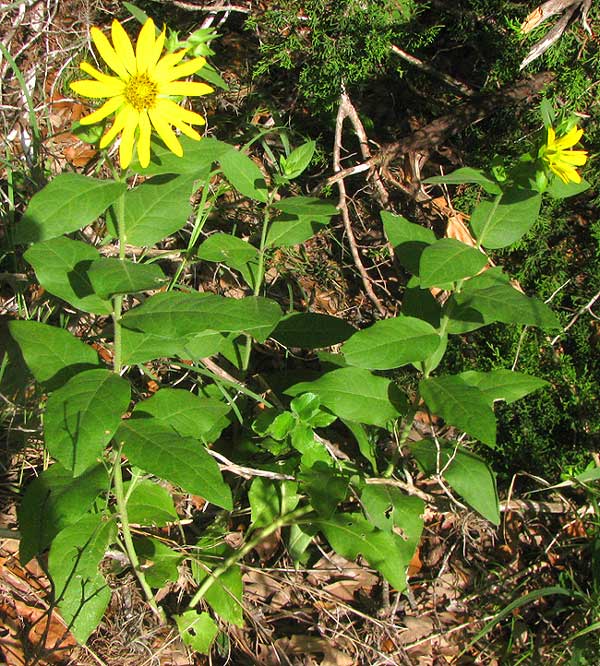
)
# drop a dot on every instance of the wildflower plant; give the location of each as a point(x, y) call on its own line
point(119, 451)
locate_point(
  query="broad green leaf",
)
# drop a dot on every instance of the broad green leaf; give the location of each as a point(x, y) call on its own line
point(307, 207)
point(503, 384)
point(210, 74)
point(82, 416)
point(312, 451)
point(311, 330)
point(391, 343)
point(325, 487)
point(157, 208)
point(387, 507)
point(460, 405)
point(53, 501)
point(357, 395)
point(198, 158)
point(297, 161)
point(467, 473)
point(264, 502)
point(149, 504)
point(420, 303)
point(299, 539)
point(188, 414)
point(559, 190)
point(177, 315)
point(69, 202)
point(160, 563)
point(504, 220)
point(228, 249)
point(351, 535)
point(224, 596)
point(80, 589)
point(52, 354)
point(110, 276)
point(290, 230)
point(160, 450)
point(449, 260)
point(476, 307)
point(61, 266)
point(408, 240)
point(243, 174)
point(138, 347)
point(467, 175)
point(198, 630)
point(366, 445)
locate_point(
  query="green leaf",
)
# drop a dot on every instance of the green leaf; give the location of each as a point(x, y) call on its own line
point(157, 208)
point(307, 207)
point(177, 315)
point(198, 630)
point(61, 266)
point(226, 593)
point(160, 562)
point(387, 507)
point(449, 260)
point(311, 330)
point(420, 303)
point(366, 445)
point(408, 240)
point(69, 202)
point(351, 535)
point(184, 461)
point(391, 343)
point(264, 502)
point(559, 190)
point(357, 395)
point(467, 473)
point(503, 384)
point(467, 175)
point(460, 405)
point(52, 354)
point(110, 276)
point(297, 161)
point(80, 589)
point(149, 504)
point(82, 416)
point(502, 222)
point(504, 303)
point(243, 174)
point(198, 158)
point(325, 487)
point(313, 451)
point(138, 347)
point(53, 501)
point(188, 414)
point(290, 230)
point(233, 252)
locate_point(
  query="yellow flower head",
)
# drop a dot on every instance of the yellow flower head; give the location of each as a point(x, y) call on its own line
point(559, 158)
point(139, 94)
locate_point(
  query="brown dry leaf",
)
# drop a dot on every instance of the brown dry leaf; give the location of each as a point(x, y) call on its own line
point(314, 645)
point(260, 586)
point(416, 628)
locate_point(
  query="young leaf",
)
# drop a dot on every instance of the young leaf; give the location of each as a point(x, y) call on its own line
point(53, 501)
point(243, 174)
point(351, 535)
point(160, 563)
point(449, 260)
point(391, 343)
point(157, 208)
point(467, 175)
point(468, 474)
point(69, 202)
point(188, 414)
point(159, 450)
point(52, 354)
point(198, 630)
point(297, 161)
point(82, 416)
point(80, 589)
point(149, 504)
point(504, 220)
point(61, 266)
point(408, 240)
point(311, 330)
point(503, 384)
point(110, 276)
point(460, 405)
point(357, 395)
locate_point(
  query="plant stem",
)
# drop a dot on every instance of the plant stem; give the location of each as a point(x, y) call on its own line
point(232, 560)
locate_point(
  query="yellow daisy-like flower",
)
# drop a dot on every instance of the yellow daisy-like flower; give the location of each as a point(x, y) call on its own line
point(139, 94)
point(559, 158)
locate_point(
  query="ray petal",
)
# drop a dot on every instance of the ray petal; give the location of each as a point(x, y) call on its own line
point(109, 136)
point(570, 138)
point(166, 63)
point(98, 75)
point(128, 137)
point(574, 157)
point(186, 88)
point(187, 68)
point(187, 130)
point(143, 144)
point(123, 46)
point(161, 125)
point(97, 89)
point(172, 111)
point(157, 50)
point(108, 54)
point(104, 111)
point(144, 47)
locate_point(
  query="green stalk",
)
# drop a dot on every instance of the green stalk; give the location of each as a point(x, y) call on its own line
point(232, 560)
point(120, 498)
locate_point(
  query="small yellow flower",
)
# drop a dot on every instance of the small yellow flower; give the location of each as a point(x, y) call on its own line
point(139, 95)
point(559, 158)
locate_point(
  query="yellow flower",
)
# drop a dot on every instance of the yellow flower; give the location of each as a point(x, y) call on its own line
point(559, 158)
point(139, 94)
